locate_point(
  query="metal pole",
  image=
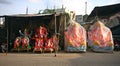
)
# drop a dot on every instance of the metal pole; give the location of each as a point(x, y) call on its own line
point(27, 10)
point(55, 25)
point(64, 30)
point(7, 42)
point(7, 36)
point(85, 8)
point(55, 32)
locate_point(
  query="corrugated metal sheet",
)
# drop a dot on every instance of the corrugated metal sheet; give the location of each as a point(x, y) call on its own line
point(27, 15)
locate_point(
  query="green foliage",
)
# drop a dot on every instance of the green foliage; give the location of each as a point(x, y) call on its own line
point(48, 11)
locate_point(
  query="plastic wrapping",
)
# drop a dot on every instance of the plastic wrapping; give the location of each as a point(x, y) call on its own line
point(100, 37)
point(75, 38)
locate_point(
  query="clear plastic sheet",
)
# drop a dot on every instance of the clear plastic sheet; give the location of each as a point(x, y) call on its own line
point(100, 37)
point(75, 37)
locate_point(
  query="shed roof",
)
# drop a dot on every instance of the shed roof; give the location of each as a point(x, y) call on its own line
point(27, 15)
point(105, 11)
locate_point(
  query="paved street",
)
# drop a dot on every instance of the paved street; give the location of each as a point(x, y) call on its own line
point(62, 59)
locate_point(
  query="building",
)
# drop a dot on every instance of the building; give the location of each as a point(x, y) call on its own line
point(109, 15)
point(79, 18)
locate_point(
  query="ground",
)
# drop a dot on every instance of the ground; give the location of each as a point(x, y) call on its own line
point(62, 59)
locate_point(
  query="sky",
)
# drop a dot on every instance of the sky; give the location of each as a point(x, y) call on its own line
point(9, 7)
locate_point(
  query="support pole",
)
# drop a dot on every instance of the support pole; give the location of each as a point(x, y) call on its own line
point(85, 8)
point(7, 41)
point(7, 36)
point(27, 10)
point(55, 24)
point(55, 32)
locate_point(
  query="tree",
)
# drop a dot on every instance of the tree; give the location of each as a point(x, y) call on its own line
point(47, 11)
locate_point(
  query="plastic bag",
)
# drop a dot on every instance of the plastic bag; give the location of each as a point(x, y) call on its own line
point(100, 37)
point(75, 37)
